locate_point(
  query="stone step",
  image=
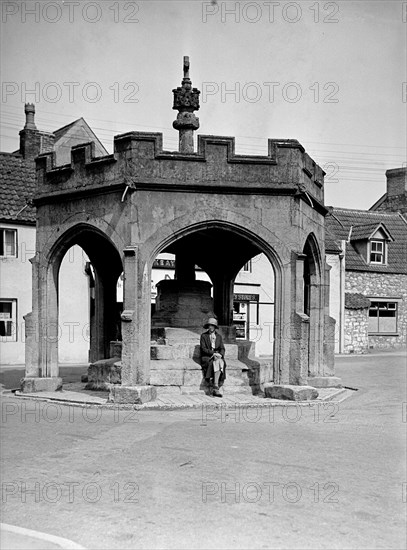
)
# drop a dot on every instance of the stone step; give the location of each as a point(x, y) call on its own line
point(175, 335)
point(194, 364)
point(191, 334)
point(193, 378)
point(159, 352)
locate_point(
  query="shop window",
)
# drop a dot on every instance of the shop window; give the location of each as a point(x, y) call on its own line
point(8, 320)
point(8, 242)
point(377, 252)
point(382, 317)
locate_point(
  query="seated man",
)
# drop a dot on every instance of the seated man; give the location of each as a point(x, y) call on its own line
point(213, 357)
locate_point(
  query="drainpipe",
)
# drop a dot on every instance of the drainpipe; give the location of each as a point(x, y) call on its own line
point(342, 296)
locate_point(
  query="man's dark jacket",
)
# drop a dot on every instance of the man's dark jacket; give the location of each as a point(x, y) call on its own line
point(207, 353)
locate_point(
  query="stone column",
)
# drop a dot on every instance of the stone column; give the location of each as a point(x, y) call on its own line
point(135, 374)
point(42, 326)
point(223, 300)
point(299, 333)
point(184, 268)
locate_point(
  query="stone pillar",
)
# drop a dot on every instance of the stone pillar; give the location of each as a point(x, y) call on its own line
point(299, 283)
point(184, 268)
point(328, 357)
point(285, 324)
point(97, 343)
point(223, 300)
point(324, 377)
point(42, 345)
point(299, 333)
point(135, 372)
point(31, 351)
point(316, 326)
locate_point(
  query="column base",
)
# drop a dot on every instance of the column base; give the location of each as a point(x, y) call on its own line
point(37, 384)
point(325, 382)
point(132, 394)
point(290, 392)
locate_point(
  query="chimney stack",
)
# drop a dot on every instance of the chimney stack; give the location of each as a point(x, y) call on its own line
point(32, 141)
point(396, 181)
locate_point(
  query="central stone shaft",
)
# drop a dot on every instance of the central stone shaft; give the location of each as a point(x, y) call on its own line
point(182, 304)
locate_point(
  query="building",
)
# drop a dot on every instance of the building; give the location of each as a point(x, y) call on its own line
point(367, 252)
point(17, 245)
point(209, 208)
point(395, 198)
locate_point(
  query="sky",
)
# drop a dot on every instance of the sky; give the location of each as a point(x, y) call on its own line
point(330, 74)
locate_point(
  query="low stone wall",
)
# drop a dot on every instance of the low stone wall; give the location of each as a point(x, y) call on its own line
point(356, 327)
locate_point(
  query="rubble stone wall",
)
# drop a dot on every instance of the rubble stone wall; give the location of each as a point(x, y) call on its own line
point(381, 285)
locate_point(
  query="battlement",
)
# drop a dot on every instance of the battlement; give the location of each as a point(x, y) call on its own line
point(139, 161)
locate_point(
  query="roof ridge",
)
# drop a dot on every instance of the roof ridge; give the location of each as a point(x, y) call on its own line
point(368, 212)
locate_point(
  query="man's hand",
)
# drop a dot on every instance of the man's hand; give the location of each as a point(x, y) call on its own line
point(217, 355)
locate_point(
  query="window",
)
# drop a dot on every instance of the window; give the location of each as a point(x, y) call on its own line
point(8, 242)
point(8, 310)
point(248, 266)
point(377, 252)
point(382, 317)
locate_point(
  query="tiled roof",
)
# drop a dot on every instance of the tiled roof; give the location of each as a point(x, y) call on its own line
point(365, 230)
point(17, 186)
point(339, 221)
point(355, 300)
point(17, 176)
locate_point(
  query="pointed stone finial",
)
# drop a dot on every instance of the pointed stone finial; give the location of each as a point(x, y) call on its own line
point(186, 101)
point(186, 66)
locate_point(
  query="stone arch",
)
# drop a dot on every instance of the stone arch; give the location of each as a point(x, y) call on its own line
point(107, 265)
point(260, 237)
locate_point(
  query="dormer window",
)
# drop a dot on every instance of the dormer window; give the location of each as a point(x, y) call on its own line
point(371, 242)
point(377, 252)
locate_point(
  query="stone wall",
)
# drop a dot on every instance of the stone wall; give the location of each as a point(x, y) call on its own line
point(356, 331)
point(382, 285)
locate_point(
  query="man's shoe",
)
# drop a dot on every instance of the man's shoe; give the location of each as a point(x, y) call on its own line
point(216, 393)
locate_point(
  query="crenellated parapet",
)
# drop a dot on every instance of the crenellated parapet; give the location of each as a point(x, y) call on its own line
point(139, 161)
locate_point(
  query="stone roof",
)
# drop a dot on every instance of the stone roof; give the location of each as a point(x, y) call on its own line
point(340, 220)
point(355, 300)
point(17, 186)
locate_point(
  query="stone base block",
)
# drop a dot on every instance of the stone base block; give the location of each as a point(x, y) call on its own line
point(325, 382)
point(132, 394)
point(289, 392)
point(103, 373)
point(167, 377)
point(31, 385)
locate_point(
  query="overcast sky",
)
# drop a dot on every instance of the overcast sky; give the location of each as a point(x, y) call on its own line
point(329, 74)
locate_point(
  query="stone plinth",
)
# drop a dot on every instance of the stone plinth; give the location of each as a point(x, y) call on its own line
point(181, 304)
point(290, 392)
point(32, 385)
point(103, 373)
point(132, 394)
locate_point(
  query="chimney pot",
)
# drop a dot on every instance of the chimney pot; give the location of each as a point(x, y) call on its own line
point(29, 110)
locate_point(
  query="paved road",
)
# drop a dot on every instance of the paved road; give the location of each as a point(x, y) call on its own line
point(303, 478)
